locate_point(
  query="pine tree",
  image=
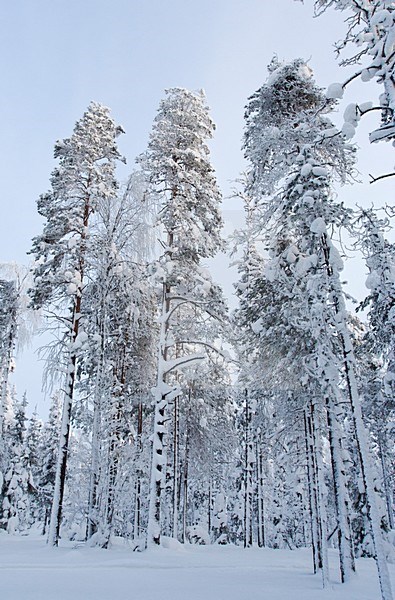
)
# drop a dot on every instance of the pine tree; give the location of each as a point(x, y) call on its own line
point(288, 218)
point(85, 175)
point(182, 179)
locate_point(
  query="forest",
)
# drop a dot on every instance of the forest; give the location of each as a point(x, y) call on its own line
point(271, 425)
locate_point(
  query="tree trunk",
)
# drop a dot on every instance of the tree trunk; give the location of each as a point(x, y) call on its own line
point(5, 369)
point(248, 471)
point(94, 474)
point(361, 437)
point(137, 504)
point(387, 488)
point(260, 500)
point(346, 550)
point(61, 467)
point(320, 496)
point(175, 470)
point(316, 538)
point(185, 492)
point(158, 464)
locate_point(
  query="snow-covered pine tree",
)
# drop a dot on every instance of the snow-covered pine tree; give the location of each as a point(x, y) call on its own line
point(279, 119)
point(181, 178)
point(32, 453)
point(291, 98)
point(86, 173)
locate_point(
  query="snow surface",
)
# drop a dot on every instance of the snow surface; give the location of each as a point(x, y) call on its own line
point(30, 570)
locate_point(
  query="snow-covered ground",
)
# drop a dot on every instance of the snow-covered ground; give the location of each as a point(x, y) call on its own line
point(29, 570)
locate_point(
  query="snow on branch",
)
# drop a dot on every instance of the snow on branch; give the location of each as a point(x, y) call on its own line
point(179, 363)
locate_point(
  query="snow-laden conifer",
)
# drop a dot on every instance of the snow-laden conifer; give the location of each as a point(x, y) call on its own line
point(85, 175)
point(180, 176)
point(306, 264)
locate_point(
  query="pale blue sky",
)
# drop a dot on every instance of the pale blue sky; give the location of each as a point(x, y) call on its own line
point(57, 56)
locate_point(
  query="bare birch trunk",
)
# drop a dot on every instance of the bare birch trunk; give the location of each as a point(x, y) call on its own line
point(5, 370)
point(158, 465)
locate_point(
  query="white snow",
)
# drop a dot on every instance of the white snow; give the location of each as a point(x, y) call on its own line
point(348, 130)
point(306, 170)
point(367, 74)
point(335, 90)
point(372, 281)
point(320, 172)
point(318, 226)
point(257, 326)
point(71, 288)
point(331, 132)
point(351, 114)
point(381, 16)
point(305, 71)
point(365, 106)
point(32, 570)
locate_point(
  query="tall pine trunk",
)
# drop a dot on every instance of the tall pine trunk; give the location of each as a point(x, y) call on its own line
point(96, 426)
point(61, 467)
point(342, 503)
point(320, 492)
point(185, 499)
point(311, 482)
point(361, 436)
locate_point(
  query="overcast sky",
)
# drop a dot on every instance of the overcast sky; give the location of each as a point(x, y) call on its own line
point(57, 56)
